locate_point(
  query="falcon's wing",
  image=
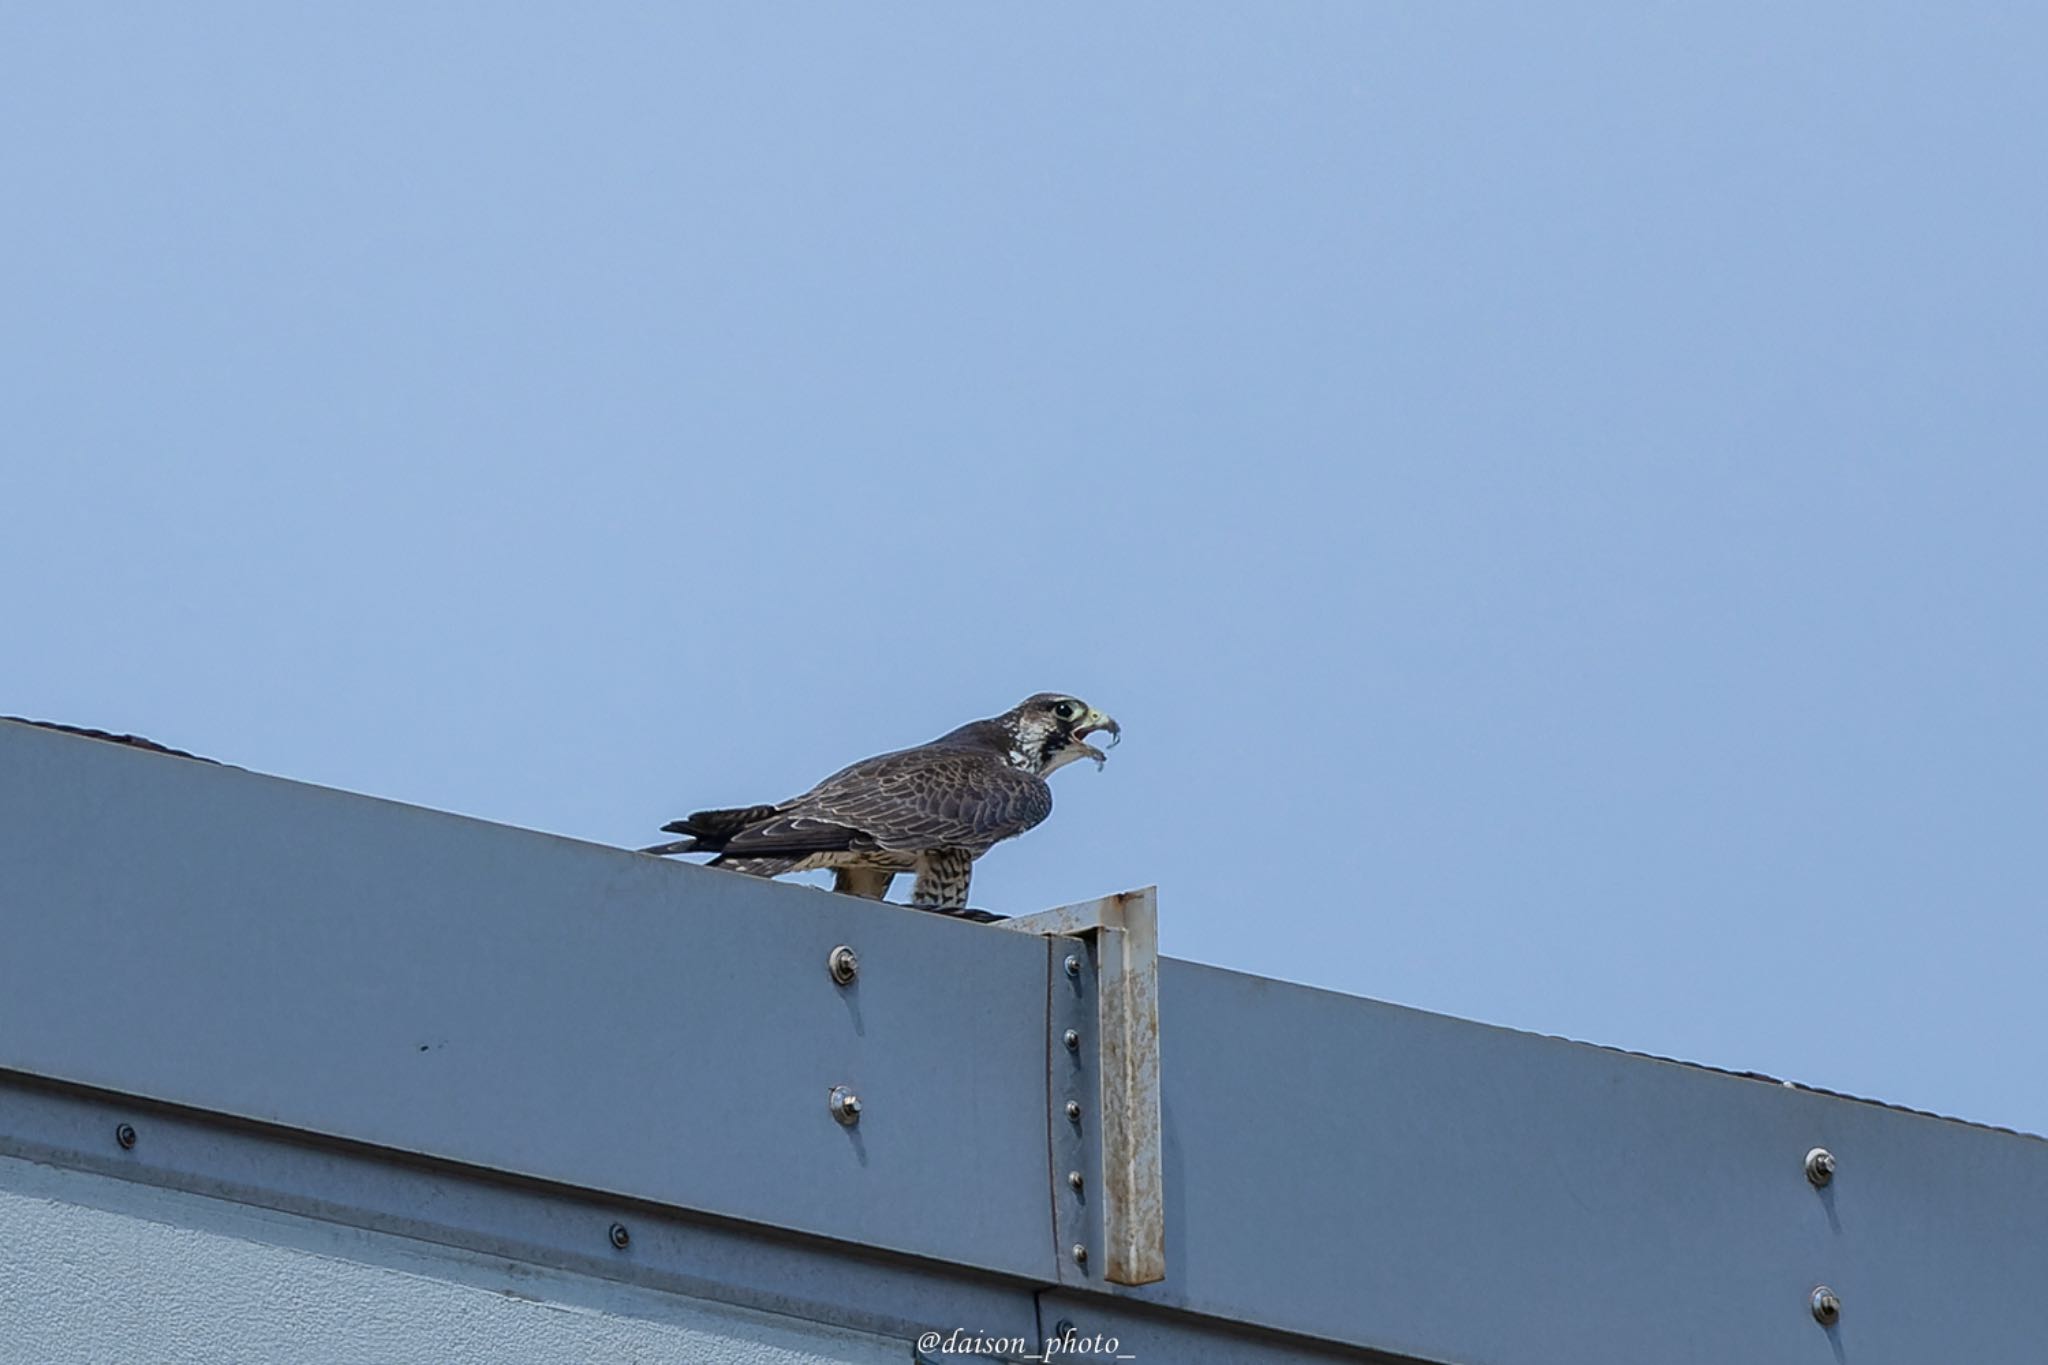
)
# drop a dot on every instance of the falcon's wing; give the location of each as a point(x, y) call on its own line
point(793, 836)
point(930, 797)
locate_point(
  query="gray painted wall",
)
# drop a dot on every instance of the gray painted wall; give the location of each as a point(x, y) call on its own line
point(94, 1269)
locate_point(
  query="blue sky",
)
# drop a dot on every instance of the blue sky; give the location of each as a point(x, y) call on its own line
point(1556, 498)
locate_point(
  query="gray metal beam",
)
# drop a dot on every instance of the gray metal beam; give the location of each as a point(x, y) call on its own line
point(552, 1009)
point(612, 1030)
point(1450, 1191)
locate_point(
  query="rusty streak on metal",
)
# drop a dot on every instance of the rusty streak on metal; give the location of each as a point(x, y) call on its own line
point(1125, 929)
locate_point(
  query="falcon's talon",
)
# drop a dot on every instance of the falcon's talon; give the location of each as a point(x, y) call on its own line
point(932, 809)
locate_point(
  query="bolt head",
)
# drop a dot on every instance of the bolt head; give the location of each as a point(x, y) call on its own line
point(1820, 1166)
point(1074, 1179)
point(1080, 1254)
point(1073, 965)
point(1073, 1041)
point(844, 964)
point(620, 1237)
point(845, 1105)
point(1826, 1305)
point(1074, 1110)
point(125, 1135)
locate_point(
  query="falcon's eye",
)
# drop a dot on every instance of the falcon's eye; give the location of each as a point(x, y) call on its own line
point(1068, 710)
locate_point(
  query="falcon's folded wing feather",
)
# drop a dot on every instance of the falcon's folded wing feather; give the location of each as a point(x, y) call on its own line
point(931, 798)
point(794, 836)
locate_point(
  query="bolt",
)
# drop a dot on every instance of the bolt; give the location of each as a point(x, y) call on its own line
point(620, 1237)
point(1074, 1110)
point(1080, 1254)
point(1073, 965)
point(1073, 1041)
point(1827, 1306)
point(844, 964)
point(1820, 1166)
point(125, 1135)
point(1074, 1179)
point(1063, 1330)
point(845, 1105)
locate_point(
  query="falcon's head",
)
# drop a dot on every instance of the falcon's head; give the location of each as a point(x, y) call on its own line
point(1049, 731)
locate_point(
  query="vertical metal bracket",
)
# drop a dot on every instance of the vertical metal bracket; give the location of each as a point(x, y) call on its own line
point(1074, 1111)
point(1122, 933)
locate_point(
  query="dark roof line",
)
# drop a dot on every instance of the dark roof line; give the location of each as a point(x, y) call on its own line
point(1813, 1090)
point(133, 741)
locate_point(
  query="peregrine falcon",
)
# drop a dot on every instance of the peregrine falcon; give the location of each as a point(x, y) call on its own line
point(931, 810)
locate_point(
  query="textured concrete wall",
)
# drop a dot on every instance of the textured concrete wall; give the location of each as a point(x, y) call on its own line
point(95, 1269)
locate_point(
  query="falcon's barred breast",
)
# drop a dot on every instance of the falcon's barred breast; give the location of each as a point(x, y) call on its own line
point(931, 810)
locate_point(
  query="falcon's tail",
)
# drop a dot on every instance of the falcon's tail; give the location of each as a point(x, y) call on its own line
point(753, 867)
point(709, 829)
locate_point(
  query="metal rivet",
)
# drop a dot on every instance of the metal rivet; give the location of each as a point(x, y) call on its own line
point(1074, 1179)
point(844, 964)
point(1827, 1306)
point(620, 1237)
point(1074, 1110)
point(845, 1105)
point(125, 1135)
point(1063, 1330)
point(1073, 965)
point(1080, 1254)
point(1820, 1166)
point(1073, 1041)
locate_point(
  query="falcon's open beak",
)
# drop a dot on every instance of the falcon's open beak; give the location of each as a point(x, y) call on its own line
point(1093, 723)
